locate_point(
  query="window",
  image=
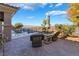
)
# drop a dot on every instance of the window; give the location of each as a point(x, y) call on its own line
point(2, 16)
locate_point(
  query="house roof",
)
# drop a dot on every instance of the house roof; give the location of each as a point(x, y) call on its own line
point(9, 6)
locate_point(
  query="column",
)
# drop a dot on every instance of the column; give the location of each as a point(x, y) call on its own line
point(7, 26)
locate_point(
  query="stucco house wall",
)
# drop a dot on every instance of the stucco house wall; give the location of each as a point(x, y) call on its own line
point(9, 11)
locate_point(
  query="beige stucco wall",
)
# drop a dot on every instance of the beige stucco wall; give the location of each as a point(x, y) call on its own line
point(9, 12)
point(7, 26)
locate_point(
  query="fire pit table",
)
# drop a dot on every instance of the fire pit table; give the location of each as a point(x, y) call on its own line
point(37, 40)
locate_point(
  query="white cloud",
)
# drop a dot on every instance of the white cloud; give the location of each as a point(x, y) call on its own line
point(23, 5)
point(32, 6)
point(43, 4)
point(28, 6)
point(30, 17)
point(58, 4)
point(56, 13)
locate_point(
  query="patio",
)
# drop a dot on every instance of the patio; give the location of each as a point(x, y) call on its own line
point(22, 47)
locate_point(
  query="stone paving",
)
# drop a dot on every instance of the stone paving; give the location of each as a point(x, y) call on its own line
point(22, 47)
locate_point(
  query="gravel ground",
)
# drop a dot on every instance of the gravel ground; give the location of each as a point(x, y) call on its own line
point(22, 47)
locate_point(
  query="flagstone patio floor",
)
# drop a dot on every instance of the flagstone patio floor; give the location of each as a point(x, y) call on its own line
point(22, 47)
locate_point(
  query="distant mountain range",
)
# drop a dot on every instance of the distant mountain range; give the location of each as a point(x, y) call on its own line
point(36, 27)
point(30, 26)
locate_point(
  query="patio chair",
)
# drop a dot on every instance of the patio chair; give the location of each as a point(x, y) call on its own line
point(47, 40)
point(50, 38)
point(55, 36)
point(64, 36)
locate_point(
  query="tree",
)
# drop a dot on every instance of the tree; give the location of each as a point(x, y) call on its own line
point(65, 29)
point(46, 24)
point(71, 29)
point(17, 28)
point(18, 25)
point(73, 13)
point(43, 25)
point(58, 27)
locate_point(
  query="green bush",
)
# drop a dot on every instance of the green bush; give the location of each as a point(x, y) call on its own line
point(65, 29)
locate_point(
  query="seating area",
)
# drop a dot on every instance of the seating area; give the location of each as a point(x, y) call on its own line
point(46, 38)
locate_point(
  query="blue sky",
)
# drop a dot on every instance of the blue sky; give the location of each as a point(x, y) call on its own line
point(33, 14)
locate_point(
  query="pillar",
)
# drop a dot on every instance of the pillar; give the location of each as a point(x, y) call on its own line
point(7, 26)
